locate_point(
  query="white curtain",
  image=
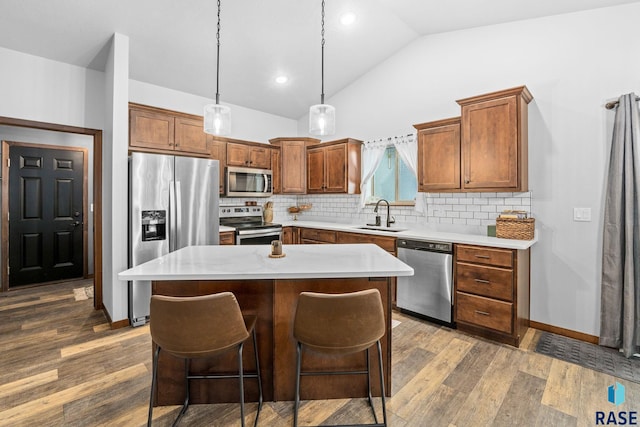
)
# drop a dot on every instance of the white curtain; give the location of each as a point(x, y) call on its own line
point(407, 148)
point(372, 154)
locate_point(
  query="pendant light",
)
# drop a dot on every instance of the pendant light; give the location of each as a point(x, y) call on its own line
point(217, 118)
point(322, 117)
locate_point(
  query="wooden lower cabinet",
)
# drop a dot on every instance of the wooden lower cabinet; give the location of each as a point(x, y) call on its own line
point(227, 237)
point(492, 292)
point(274, 304)
point(386, 243)
point(314, 235)
point(389, 244)
point(290, 236)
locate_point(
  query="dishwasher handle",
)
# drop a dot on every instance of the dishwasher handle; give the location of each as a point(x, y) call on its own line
point(427, 246)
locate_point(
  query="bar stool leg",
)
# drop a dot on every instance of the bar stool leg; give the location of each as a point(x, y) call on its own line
point(373, 408)
point(185, 405)
point(297, 396)
point(241, 377)
point(154, 380)
point(384, 406)
point(255, 351)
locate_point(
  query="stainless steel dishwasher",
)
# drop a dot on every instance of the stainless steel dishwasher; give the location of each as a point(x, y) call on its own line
point(429, 292)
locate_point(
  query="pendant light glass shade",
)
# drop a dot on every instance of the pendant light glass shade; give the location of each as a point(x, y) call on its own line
point(217, 119)
point(322, 119)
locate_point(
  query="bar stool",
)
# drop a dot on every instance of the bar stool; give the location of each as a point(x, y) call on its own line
point(201, 327)
point(340, 324)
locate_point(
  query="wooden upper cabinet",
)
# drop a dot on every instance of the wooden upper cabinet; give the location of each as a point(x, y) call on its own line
point(218, 151)
point(494, 141)
point(483, 150)
point(151, 129)
point(276, 170)
point(248, 156)
point(315, 165)
point(190, 136)
point(439, 155)
point(334, 167)
point(157, 130)
point(293, 167)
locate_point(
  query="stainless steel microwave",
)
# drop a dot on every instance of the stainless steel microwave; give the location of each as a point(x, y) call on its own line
point(248, 182)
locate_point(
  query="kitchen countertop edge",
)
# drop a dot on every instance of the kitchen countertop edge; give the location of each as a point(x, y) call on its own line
point(421, 234)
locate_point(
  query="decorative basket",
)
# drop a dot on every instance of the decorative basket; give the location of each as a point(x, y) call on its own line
point(511, 228)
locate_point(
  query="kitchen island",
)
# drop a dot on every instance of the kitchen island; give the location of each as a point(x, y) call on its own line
point(269, 288)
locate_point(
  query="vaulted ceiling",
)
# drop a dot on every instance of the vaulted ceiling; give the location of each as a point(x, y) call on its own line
point(172, 43)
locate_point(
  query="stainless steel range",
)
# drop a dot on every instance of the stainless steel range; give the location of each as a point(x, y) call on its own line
point(249, 225)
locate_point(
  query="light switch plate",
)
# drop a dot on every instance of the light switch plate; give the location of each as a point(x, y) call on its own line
point(582, 214)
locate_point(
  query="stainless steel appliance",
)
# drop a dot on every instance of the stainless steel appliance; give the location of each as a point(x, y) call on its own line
point(248, 182)
point(173, 203)
point(249, 225)
point(429, 292)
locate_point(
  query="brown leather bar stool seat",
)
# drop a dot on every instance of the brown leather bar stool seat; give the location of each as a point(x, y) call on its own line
point(340, 324)
point(201, 327)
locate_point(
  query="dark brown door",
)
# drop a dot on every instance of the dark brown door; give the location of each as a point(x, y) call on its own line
point(45, 215)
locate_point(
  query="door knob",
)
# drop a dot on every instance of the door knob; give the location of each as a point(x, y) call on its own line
point(75, 223)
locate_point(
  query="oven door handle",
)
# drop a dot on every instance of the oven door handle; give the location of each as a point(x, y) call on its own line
point(260, 233)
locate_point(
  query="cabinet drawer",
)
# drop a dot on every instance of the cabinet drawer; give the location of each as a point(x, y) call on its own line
point(485, 312)
point(318, 235)
point(482, 255)
point(483, 280)
point(386, 243)
point(228, 238)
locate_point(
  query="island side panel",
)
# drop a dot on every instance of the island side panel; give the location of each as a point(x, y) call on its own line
point(286, 294)
point(255, 297)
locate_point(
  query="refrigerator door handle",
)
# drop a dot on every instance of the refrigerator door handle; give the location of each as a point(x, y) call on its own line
point(178, 210)
point(172, 218)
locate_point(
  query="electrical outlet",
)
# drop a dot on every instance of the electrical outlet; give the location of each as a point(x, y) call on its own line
point(582, 214)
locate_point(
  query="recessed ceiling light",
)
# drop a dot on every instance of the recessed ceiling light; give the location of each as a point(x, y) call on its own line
point(282, 79)
point(348, 18)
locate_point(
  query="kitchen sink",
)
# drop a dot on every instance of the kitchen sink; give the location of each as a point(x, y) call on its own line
point(380, 228)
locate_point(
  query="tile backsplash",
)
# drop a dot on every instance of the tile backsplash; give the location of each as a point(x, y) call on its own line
point(465, 209)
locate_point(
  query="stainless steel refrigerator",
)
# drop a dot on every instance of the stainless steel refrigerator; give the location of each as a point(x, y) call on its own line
point(173, 203)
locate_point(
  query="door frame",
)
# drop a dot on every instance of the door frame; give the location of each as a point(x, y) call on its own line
point(6, 147)
point(97, 192)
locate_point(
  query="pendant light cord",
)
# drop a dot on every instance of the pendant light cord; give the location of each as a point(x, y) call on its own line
point(218, 57)
point(322, 61)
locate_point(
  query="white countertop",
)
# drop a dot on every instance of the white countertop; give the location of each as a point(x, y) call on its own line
point(252, 262)
point(224, 228)
point(417, 233)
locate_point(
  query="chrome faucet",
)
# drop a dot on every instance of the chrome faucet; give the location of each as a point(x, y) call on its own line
point(390, 219)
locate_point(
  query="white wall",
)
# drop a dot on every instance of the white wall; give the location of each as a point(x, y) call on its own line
point(34, 88)
point(573, 64)
point(114, 177)
point(246, 124)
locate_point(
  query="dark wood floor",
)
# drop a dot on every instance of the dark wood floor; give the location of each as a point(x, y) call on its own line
point(61, 365)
